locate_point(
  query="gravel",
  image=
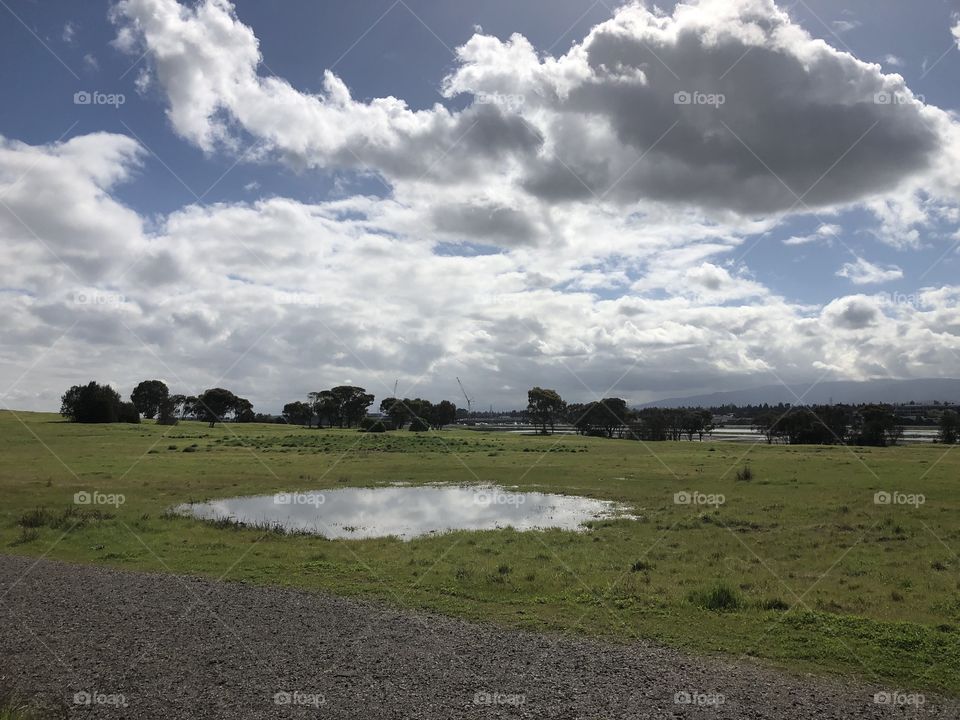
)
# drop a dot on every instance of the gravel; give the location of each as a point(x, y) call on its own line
point(106, 643)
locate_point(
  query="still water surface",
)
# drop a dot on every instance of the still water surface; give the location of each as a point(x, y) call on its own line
point(407, 512)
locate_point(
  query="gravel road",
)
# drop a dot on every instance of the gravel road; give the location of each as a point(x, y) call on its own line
point(111, 644)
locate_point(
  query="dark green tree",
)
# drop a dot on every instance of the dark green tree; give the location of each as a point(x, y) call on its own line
point(215, 404)
point(297, 413)
point(243, 411)
point(544, 408)
point(397, 411)
point(444, 413)
point(949, 427)
point(91, 403)
point(149, 396)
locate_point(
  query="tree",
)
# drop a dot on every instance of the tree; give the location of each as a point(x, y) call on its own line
point(91, 403)
point(612, 415)
point(243, 411)
point(444, 413)
point(544, 408)
point(70, 401)
point(949, 427)
point(215, 404)
point(167, 414)
point(324, 406)
point(149, 396)
point(190, 407)
point(297, 413)
point(352, 403)
point(174, 409)
point(396, 410)
point(875, 425)
point(128, 413)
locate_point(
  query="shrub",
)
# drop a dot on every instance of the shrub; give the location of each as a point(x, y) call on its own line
point(419, 425)
point(167, 414)
point(128, 413)
point(27, 535)
point(720, 597)
point(91, 403)
point(745, 475)
point(640, 566)
point(34, 518)
point(774, 604)
point(373, 425)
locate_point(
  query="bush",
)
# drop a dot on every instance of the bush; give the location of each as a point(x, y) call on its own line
point(128, 413)
point(91, 403)
point(167, 414)
point(419, 425)
point(745, 475)
point(774, 604)
point(27, 535)
point(720, 597)
point(378, 427)
point(34, 518)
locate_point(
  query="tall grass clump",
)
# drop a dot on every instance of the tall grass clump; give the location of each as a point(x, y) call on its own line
point(720, 597)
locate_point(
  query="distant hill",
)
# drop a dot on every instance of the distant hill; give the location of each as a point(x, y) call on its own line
point(885, 391)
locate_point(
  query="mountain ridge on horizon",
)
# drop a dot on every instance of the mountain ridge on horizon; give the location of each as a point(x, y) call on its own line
point(837, 391)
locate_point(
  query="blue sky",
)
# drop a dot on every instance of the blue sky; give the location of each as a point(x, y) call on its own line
point(573, 238)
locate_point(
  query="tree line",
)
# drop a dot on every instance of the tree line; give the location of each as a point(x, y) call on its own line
point(871, 424)
point(344, 406)
point(95, 403)
point(612, 417)
point(348, 406)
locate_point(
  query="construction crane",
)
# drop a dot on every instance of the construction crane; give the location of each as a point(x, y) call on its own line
point(465, 396)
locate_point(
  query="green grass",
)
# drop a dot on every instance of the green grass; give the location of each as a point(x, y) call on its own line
point(13, 707)
point(798, 567)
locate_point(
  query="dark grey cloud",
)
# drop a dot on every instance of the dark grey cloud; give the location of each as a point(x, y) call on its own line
point(488, 222)
point(825, 128)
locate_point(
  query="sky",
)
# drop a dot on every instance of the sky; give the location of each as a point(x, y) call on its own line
point(610, 199)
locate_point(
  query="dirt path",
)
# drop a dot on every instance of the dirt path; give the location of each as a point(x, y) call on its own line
point(171, 648)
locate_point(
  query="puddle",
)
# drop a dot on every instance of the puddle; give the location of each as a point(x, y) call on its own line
point(408, 512)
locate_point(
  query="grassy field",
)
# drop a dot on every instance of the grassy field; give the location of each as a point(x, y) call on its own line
point(798, 567)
